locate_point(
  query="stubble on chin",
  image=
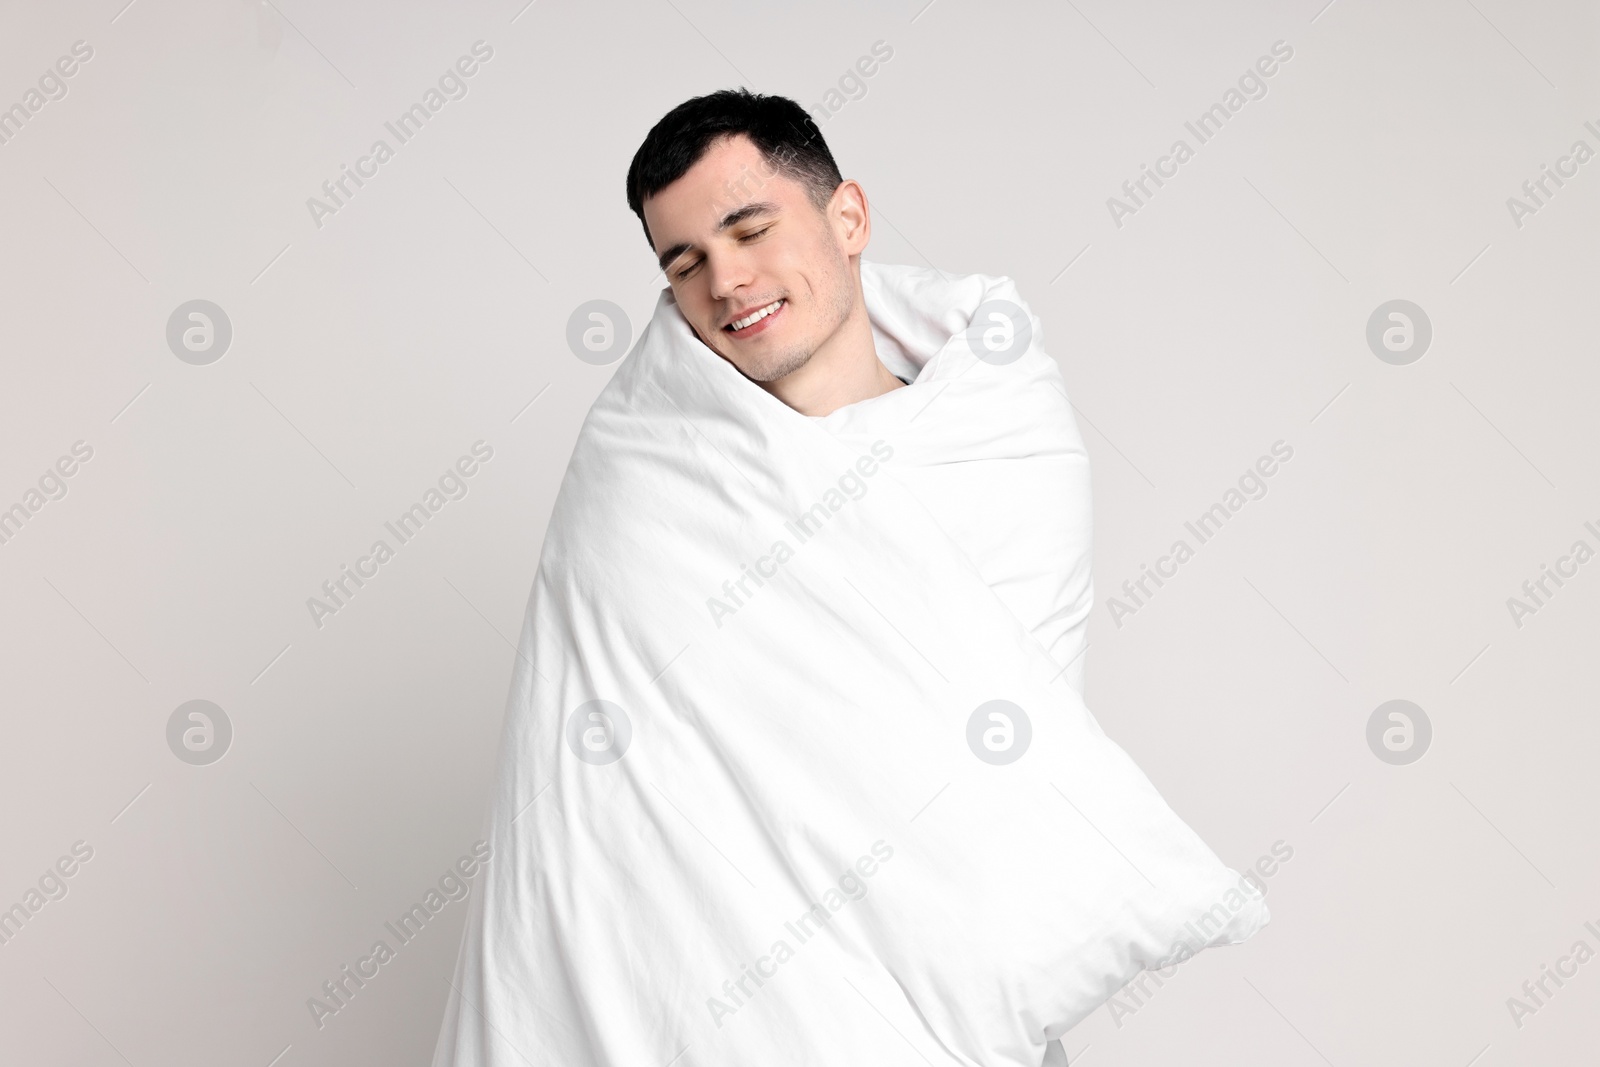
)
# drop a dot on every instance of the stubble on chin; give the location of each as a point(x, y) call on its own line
point(779, 365)
point(767, 367)
point(840, 302)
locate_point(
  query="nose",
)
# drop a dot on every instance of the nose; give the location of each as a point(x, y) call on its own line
point(727, 272)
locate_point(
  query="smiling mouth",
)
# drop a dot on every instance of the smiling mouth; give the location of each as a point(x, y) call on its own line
point(759, 315)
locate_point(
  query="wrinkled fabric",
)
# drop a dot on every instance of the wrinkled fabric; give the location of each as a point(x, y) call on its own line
point(756, 801)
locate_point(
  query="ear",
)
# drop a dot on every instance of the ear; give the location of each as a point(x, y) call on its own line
point(850, 217)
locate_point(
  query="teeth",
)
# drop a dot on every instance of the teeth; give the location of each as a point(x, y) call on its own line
point(756, 316)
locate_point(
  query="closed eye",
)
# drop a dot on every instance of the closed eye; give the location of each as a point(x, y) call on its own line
point(680, 275)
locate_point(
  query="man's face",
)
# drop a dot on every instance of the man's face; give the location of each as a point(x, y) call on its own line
point(741, 241)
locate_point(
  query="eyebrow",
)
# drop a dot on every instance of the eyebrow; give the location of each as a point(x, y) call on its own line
point(732, 218)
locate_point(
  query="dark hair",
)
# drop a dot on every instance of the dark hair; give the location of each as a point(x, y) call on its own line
point(788, 139)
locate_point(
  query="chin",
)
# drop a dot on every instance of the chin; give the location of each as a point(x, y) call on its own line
point(780, 366)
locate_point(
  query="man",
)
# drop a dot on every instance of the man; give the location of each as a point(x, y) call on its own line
point(738, 238)
point(795, 767)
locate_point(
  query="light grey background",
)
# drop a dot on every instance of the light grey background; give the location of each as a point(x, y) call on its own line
point(430, 312)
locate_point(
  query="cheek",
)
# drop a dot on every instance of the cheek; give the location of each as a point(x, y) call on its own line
point(694, 306)
point(810, 266)
point(693, 310)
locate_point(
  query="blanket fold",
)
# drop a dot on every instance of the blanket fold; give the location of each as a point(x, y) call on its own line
point(796, 767)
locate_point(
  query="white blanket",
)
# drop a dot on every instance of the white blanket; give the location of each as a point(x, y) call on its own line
point(757, 801)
